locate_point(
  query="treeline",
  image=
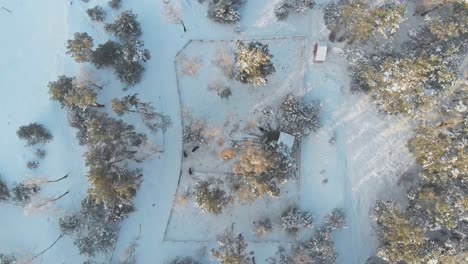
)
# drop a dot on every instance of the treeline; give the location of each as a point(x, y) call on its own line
point(419, 79)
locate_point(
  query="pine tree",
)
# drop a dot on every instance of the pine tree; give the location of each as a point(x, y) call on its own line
point(293, 219)
point(80, 48)
point(102, 128)
point(299, 6)
point(115, 189)
point(253, 63)
point(358, 20)
point(406, 85)
point(23, 192)
point(210, 197)
point(132, 104)
point(93, 228)
point(125, 27)
point(129, 72)
point(186, 260)
point(34, 134)
point(298, 118)
point(69, 93)
point(232, 249)
point(115, 4)
point(4, 192)
point(96, 13)
point(336, 219)
point(132, 51)
point(225, 11)
point(8, 259)
point(106, 54)
point(453, 24)
point(400, 239)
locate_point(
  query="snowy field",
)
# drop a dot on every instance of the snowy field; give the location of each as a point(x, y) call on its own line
point(360, 167)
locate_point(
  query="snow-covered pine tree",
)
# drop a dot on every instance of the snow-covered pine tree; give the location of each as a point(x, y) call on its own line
point(294, 219)
point(232, 249)
point(225, 11)
point(80, 47)
point(96, 13)
point(253, 62)
point(34, 134)
point(283, 9)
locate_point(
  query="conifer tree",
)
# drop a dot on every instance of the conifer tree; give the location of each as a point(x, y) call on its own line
point(115, 4)
point(225, 11)
point(126, 27)
point(132, 104)
point(96, 13)
point(232, 249)
point(69, 93)
point(253, 63)
point(80, 48)
point(34, 134)
point(106, 54)
point(4, 192)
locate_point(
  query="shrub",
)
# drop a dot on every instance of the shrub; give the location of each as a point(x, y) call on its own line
point(262, 226)
point(194, 133)
point(225, 93)
point(32, 164)
point(40, 153)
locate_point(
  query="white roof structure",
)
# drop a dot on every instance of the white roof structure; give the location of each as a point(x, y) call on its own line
point(287, 140)
point(320, 51)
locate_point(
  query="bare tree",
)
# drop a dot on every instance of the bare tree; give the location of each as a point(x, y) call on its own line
point(89, 77)
point(188, 66)
point(38, 204)
point(128, 256)
point(225, 61)
point(173, 14)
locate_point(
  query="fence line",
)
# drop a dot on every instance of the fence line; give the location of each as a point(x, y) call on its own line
point(304, 38)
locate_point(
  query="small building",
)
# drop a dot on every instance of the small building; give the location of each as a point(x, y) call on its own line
point(286, 140)
point(320, 51)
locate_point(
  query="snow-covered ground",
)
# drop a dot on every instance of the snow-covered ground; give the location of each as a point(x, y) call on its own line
point(363, 164)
